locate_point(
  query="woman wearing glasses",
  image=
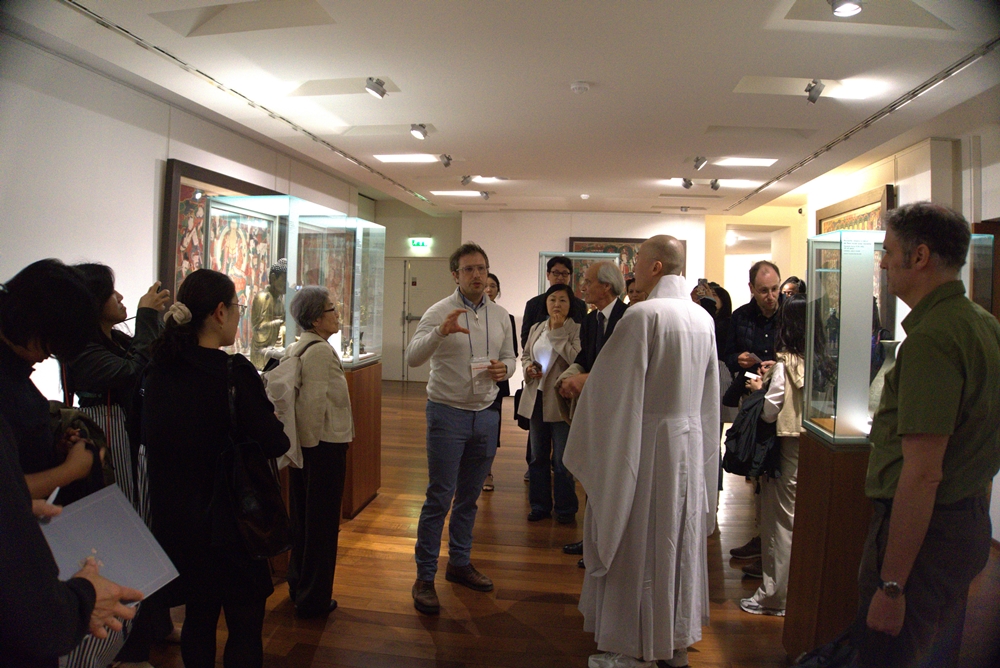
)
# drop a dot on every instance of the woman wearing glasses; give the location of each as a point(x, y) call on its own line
point(185, 425)
point(324, 428)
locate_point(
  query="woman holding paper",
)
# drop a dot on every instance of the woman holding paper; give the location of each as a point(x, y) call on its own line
point(324, 428)
point(185, 426)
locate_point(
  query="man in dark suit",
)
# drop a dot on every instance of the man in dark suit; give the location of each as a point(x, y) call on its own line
point(559, 270)
point(603, 285)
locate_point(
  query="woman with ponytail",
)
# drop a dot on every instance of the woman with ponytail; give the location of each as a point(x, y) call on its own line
point(185, 425)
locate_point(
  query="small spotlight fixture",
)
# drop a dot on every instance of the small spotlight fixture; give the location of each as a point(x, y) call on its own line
point(714, 184)
point(376, 87)
point(844, 8)
point(699, 162)
point(445, 159)
point(584, 196)
point(684, 209)
point(814, 90)
point(484, 194)
point(466, 180)
point(687, 183)
point(418, 130)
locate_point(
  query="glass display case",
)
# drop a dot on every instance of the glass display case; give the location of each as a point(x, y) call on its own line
point(852, 332)
point(580, 263)
point(298, 243)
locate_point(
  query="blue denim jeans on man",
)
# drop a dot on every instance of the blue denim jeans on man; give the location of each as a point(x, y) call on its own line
point(461, 445)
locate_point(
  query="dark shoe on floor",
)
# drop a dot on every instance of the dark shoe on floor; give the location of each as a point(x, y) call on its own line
point(748, 551)
point(425, 599)
point(488, 485)
point(309, 614)
point(565, 518)
point(573, 548)
point(468, 576)
point(527, 476)
point(580, 564)
point(536, 515)
point(755, 569)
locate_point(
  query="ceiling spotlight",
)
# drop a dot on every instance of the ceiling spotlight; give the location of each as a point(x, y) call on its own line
point(687, 183)
point(584, 196)
point(845, 8)
point(466, 180)
point(418, 130)
point(814, 88)
point(714, 184)
point(445, 159)
point(684, 209)
point(484, 194)
point(376, 87)
point(699, 162)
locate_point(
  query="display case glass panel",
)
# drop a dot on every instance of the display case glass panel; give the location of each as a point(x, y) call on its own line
point(581, 261)
point(343, 254)
point(978, 271)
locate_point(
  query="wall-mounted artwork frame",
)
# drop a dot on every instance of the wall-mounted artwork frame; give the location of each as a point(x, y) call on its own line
point(184, 235)
point(626, 250)
point(861, 212)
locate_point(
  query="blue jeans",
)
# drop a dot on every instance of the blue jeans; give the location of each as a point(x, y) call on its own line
point(548, 442)
point(460, 449)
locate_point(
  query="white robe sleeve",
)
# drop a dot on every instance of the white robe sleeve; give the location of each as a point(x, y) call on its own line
point(605, 438)
point(710, 434)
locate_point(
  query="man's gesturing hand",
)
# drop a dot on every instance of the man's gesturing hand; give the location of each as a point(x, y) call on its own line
point(450, 324)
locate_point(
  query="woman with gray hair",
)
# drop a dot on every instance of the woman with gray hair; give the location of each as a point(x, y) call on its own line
point(324, 427)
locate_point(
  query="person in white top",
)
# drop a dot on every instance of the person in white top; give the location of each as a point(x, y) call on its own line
point(552, 346)
point(324, 427)
point(468, 339)
point(644, 443)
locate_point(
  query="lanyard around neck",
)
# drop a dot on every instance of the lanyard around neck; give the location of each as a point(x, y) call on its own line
point(468, 326)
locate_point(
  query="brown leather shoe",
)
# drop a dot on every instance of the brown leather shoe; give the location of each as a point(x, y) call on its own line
point(468, 576)
point(425, 599)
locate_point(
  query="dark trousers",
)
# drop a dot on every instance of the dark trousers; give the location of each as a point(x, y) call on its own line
point(150, 624)
point(954, 551)
point(315, 493)
point(547, 476)
point(245, 622)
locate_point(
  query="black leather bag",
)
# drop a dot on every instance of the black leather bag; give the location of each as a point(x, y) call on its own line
point(251, 480)
point(522, 422)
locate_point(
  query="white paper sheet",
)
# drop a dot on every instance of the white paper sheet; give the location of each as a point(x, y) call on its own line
point(105, 526)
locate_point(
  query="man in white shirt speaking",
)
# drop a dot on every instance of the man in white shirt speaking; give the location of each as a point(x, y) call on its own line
point(644, 444)
point(470, 344)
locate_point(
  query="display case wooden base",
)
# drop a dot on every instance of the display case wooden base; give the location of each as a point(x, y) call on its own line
point(364, 457)
point(831, 521)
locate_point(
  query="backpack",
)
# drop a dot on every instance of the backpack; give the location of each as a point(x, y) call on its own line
point(752, 444)
point(282, 384)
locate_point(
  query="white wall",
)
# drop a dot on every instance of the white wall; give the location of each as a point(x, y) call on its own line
point(82, 168)
point(513, 240)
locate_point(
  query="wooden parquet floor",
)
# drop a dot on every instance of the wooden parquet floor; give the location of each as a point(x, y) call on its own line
point(530, 620)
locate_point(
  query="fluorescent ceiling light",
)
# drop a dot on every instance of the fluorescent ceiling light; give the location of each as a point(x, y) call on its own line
point(457, 193)
point(407, 157)
point(489, 179)
point(746, 162)
point(732, 238)
point(857, 89)
point(738, 183)
point(678, 182)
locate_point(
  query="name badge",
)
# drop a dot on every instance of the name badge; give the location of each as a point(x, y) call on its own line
point(482, 382)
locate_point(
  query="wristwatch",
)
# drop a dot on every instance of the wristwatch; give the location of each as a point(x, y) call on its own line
point(890, 588)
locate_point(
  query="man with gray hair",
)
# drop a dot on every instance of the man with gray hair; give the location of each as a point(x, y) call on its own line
point(644, 444)
point(603, 285)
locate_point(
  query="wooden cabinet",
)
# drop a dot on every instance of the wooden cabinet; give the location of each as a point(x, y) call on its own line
point(831, 521)
point(364, 457)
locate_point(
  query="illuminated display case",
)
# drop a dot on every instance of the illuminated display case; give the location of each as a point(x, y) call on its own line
point(316, 246)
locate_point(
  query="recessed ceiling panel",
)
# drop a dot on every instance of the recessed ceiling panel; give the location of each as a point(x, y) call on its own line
point(349, 86)
point(245, 17)
point(901, 13)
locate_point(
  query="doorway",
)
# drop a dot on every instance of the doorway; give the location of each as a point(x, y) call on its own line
point(412, 285)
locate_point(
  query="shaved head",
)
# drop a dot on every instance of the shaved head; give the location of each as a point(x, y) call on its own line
point(668, 251)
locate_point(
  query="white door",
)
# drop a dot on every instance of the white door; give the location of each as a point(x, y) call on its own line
point(393, 321)
point(427, 281)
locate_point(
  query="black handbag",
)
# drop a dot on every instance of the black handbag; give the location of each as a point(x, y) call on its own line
point(522, 422)
point(251, 480)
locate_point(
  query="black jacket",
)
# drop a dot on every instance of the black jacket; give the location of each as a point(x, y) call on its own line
point(535, 311)
point(184, 425)
point(589, 335)
point(750, 331)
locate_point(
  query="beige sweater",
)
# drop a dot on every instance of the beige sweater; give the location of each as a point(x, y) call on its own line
point(323, 406)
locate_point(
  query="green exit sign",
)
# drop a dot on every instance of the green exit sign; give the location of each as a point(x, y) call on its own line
point(420, 242)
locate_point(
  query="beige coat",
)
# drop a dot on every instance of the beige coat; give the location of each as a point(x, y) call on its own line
point(565, 345)
point(323, 405)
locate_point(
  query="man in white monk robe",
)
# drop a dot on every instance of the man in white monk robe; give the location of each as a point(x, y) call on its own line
point(644, 444)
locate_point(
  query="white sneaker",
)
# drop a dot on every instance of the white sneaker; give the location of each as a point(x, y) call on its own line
point(615, 660)
point(755, 608)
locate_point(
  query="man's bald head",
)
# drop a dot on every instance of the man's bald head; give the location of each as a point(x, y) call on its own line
point(662, 255)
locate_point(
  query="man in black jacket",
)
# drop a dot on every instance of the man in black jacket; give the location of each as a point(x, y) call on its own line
point(559, 270)
point(750, 347)
point(603, 285)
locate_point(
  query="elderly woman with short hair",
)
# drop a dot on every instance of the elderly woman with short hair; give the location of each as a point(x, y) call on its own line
point(324, 427)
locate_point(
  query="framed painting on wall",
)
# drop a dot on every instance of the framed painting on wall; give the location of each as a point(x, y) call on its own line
point(197, 235)
point(861, 212)
point(625, 249)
